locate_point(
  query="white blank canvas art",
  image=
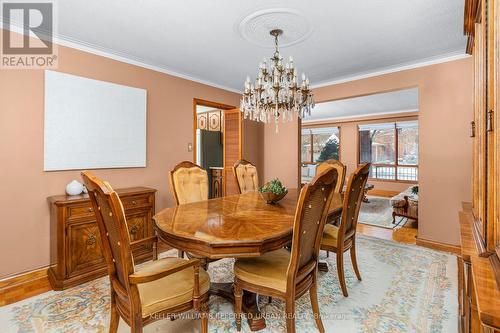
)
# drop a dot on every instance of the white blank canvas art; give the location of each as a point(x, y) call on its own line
point(91, 124)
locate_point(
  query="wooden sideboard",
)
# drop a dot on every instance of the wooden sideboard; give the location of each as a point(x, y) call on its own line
point(76, 254)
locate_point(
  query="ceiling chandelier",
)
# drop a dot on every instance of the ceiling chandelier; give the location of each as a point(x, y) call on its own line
point(276, 91)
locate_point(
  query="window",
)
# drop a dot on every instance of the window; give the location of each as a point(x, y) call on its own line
point(318, 145)
point(392, 148)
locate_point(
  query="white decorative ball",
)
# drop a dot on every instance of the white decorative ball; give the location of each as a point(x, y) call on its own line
point(74, 188)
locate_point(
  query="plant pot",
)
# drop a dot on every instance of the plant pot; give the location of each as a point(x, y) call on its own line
point(272, 198)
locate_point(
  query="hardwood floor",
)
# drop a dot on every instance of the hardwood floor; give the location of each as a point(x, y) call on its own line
point(406, 234)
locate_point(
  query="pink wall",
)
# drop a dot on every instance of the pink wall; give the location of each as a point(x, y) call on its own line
point(445, 148)
point(24, 240)
point(281, 153)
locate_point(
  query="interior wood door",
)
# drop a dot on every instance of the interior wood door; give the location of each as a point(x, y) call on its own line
point(232, 138)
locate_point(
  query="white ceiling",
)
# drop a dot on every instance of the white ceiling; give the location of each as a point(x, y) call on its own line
point(377, 104)
point(222, 41)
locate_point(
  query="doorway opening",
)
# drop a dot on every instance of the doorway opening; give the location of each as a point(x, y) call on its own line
point(381, 129)
point(209, 142)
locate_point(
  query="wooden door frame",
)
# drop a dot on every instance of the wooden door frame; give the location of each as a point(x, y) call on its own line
point(215, 105)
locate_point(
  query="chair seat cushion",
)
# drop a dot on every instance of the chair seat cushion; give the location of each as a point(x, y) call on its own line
point(268, 270)
point(330, 236)
point(170, 291)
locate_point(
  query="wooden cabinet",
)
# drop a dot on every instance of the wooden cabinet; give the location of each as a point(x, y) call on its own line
point(217, 181)
point(482, 26)
point(480, 223)
point(76, 253)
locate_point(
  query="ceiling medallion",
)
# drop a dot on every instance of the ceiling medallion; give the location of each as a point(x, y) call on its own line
point(276, 92)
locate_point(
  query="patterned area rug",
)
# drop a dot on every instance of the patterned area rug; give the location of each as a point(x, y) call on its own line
point(405, 288)
point(377, 212)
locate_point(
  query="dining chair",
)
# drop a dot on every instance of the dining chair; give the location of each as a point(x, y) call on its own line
point(341, 170)
point(159, 289)
point(343, 238)
point(284, 274)
point(189, 183)
point(246, 176)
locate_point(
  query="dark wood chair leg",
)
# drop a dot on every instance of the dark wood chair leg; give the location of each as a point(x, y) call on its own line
point(313, 294)
point(238, 301)
point(354, 261)
point(290, 314)
point(340, 271)
point(115, 316)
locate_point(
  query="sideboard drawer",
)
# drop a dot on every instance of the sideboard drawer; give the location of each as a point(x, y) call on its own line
point(136, 201)
point(76, 212)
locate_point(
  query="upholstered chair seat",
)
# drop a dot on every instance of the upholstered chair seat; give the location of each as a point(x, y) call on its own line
point(330, 236)
point(268, 270)
point(155, 297)
point(246, 176)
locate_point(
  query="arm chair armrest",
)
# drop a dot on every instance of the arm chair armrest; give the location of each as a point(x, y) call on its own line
point(138, 278)
point(152, 239)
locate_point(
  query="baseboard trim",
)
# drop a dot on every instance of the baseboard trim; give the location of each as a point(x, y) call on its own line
point(383, 193)
point(21, 286)
point(455, 249)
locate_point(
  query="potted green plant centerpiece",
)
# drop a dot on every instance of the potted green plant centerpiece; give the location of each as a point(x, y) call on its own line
point(273, 191)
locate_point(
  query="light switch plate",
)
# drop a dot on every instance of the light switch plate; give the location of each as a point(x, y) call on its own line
point(190, 147)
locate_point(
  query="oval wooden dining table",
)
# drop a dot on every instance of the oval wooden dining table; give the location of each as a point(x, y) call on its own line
point(235, 226)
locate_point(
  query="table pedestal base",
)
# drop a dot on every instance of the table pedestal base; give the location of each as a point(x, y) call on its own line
point(250, 307)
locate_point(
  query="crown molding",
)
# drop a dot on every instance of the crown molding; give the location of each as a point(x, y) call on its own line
point(457, 55)
point(122, 57)
point(126, 58)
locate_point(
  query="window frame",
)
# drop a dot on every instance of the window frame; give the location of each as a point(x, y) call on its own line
point(396, 157)
point(311, 159)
